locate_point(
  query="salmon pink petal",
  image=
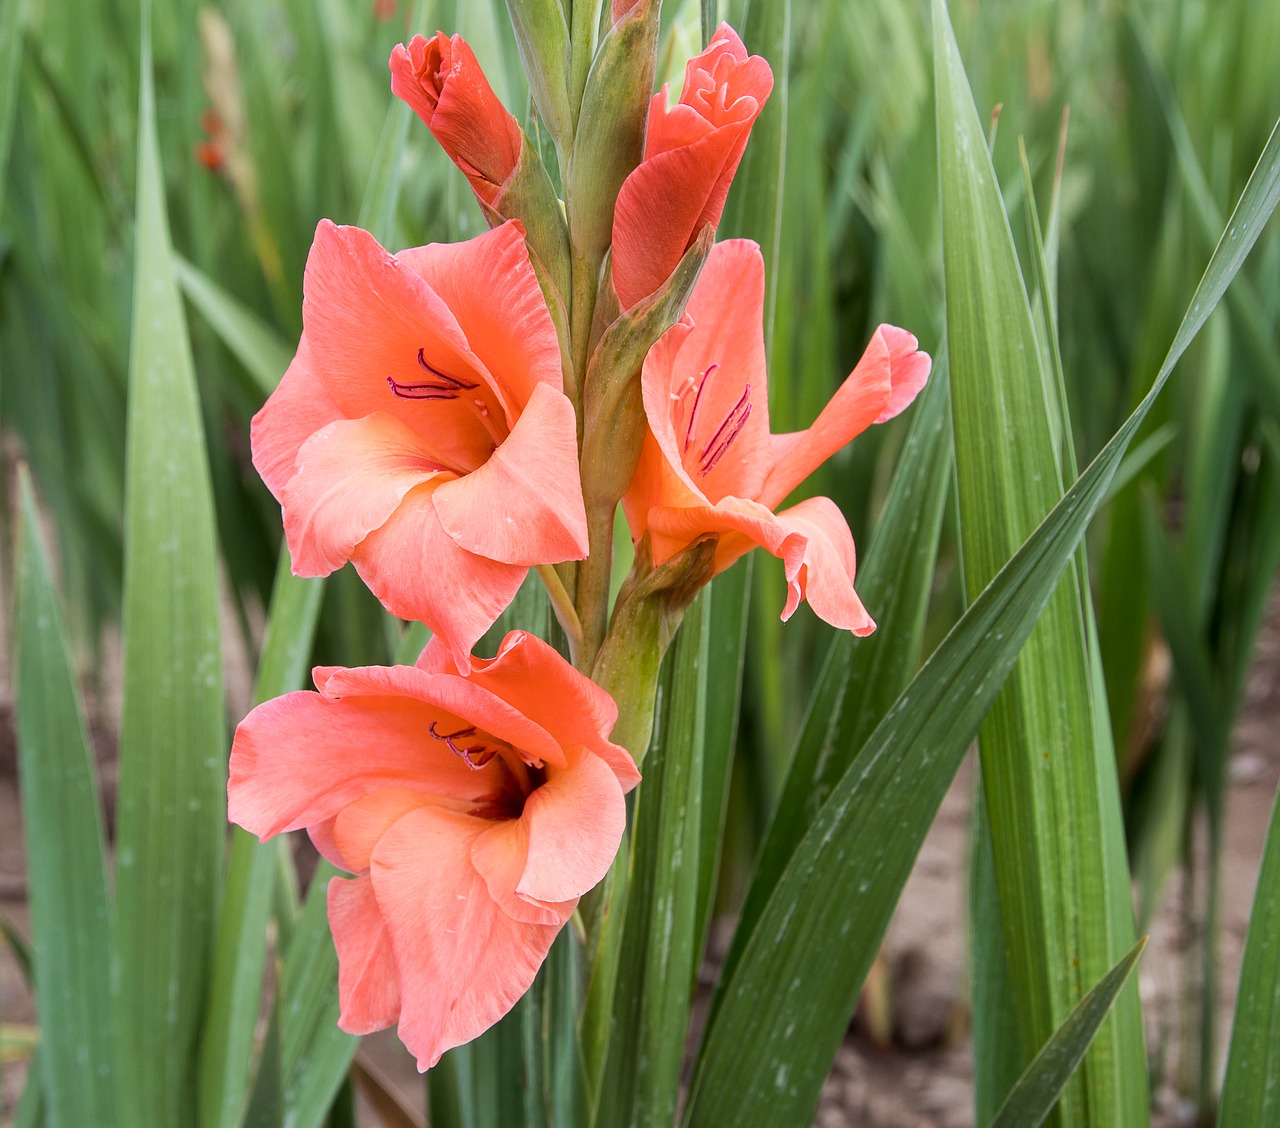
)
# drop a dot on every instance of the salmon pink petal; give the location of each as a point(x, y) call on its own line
point(299, 759)
point(908, 370)
point(663, 205)
point(890, 365)
point(351, 476)
point(825, 575)
point(321, 835)
point(436, 658)
point(517, 344)
point(360, 825)
point(524, 505)
point(705, 388)
point(575, 823)
point(500, 854)
point(366, 315)
point(748, 522)
point(531, 676)
point(420, 572)
point(368, 979)
point(442, 80)
point(458, 702)
point(296, 410)
point(463, 962)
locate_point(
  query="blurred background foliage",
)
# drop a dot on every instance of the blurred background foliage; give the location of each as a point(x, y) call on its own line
point(269, 118)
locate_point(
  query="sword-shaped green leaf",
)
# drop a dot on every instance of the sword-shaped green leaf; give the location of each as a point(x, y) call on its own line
point(172, 813)
point(62, 816)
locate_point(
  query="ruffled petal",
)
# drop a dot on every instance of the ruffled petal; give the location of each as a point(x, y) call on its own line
point(524, 505)
point(368, 979)
point(351, 476)
point(499, 855)
point(883, 382)
point(463, 962)
point(575, 822)
point(419, 571)
point(366, 316)
point(531, 676)
point(825, 575)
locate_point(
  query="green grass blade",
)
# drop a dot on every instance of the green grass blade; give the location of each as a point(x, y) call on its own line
point(1033, 1097)
point(62, 816)
point(650, 1015)
point(757, 1065)
point(258, 348)
point(172, 820)
point(1251, 1090)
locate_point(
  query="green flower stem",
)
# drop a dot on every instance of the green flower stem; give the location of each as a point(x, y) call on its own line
point(594, 574)
point(562, 604)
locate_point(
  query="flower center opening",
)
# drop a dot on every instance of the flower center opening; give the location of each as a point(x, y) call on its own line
point(513, 778)
point(715, 448)
point(445, 386)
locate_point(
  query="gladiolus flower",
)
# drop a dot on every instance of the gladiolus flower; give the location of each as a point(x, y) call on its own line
point(474, 809)
point(691, 152)
point(422, 431)
point(442, 81)
point(710, 464)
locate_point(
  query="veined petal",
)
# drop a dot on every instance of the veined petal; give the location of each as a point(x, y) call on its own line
point(298, 408)
point(299, 759)
point(419, 571)
point(825, 575)
point(515, 338)
point(575, 822)
point(882, 383)
point(463, 962)
point(740, 523)
point(524, 505)
point(351, 475)
point(368, 979)
point(359, 825)
point(368, 318)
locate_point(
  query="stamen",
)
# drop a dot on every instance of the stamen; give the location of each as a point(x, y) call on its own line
point(475, 757)
point(702, 383)
point(447, 388)
point(720, 442)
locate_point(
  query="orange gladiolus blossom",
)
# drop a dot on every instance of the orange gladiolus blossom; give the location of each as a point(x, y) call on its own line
point(422, 431)
point(710, 464)
point(474, 809)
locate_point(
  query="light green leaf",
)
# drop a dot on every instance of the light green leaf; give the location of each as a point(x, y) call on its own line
point(10, 65)
point(1251, 1091)
point(253, 343)
point(62, 817)
point(1033, 1097)
point(172, 822)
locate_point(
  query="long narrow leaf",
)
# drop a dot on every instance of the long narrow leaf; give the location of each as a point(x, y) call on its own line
point(1033, 1097)
point(62, 817)
point(172, 743)
point(1251, 1090)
